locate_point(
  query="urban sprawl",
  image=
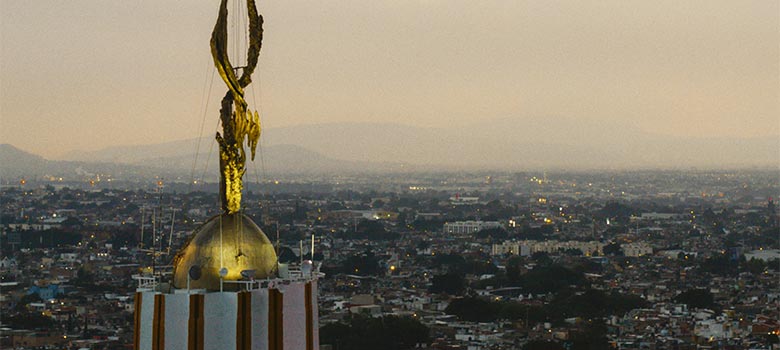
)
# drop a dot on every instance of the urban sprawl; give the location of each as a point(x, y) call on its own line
point(588, 260)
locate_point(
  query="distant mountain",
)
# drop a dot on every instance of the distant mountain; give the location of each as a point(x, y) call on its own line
point(173, 160)
point(269, 160)
point(10, 154)
point(129, 154)
point(15, 163)
point(523, 143)
point(509, 143)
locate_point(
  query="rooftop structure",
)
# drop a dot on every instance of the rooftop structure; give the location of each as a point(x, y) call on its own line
point(228, 290)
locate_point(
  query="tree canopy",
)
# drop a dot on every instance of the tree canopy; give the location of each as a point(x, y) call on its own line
point(384, 333)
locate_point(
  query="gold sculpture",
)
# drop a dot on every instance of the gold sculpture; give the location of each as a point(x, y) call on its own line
point(237, 123)
point(231, 240)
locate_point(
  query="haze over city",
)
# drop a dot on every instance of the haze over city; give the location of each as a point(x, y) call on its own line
point(531, 175)
point(86, 75)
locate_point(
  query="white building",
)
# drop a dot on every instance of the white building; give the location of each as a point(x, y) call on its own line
point(466, 227)
point(458, 200)
point(765, 254)
point(659, 216)
point(511, 247)
point(526, 248)
point(636, 249)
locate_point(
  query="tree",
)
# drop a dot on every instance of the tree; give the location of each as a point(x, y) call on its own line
point(371, 230)
point(593, 336)
point(493, 233)
point(84, 277)
point(473, 309)
point(572, 252)
point(28, 298)
point(450, 283)
point(542, 345)
point(592, 303)
point(402, 217)
point(32, 320)
point(514, 269)
point(754, 266)
point(696, 298)
point(620, 212)
point(335, 334)
point(551, 279)
point(384, 333)
point(364, 264)
point(720, 264)
point(541, 258)
point(612, 249)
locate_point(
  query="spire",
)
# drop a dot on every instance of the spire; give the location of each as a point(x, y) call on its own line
point(238, 123)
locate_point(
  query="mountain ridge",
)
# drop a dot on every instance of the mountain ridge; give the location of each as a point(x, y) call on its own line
point(271, 160)
point(508, 143)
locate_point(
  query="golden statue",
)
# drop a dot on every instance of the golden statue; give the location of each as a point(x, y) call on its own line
point(237, 123)
point(231, 240)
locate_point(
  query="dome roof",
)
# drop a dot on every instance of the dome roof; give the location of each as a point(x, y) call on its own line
point(244, 246)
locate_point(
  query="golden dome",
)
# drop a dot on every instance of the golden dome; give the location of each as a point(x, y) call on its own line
point(244, 246)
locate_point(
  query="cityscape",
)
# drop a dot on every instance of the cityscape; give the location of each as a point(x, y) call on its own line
point(623, 260)
point(390, 175)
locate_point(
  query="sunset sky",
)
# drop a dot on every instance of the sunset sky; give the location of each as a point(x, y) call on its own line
point(87, 74)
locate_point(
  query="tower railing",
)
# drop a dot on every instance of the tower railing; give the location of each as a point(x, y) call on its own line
point(294, 276)
point(146, 282)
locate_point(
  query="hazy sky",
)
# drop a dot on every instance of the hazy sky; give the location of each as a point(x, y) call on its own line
point(83, 74)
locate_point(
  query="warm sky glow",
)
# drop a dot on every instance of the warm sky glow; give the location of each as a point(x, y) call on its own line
point(84, 74)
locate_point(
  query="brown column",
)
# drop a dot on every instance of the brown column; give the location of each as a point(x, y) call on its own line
point(158, 323)
point(309, 318)
point(275, 319)
point(244, 322)
point(137, 321)
point(195, 323)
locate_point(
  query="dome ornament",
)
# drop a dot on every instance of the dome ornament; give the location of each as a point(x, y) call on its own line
point(229, 243)
point(238, 123)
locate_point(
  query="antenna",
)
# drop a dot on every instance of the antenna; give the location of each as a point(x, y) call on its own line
point(159, 220)
point(222, 273)
point(221, 249)
point(170, 236)
point(312, 246)
point(143, 216)
point(154, 238)
point(277, 240)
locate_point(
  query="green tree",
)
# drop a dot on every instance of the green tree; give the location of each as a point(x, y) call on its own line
point(551, 279)
point(755, 266)
point(696, 298)
point(593, 336)
point(384, 333)
point(31, 320)
point(612, 249)
point(473, 309)
point(542, 345)
point(492, 233)
point(451, 283)
point(84, 277)
point(364, 264)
